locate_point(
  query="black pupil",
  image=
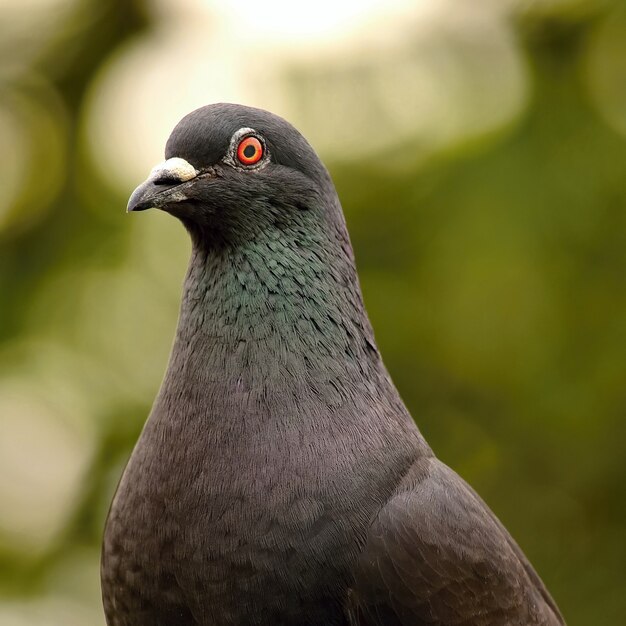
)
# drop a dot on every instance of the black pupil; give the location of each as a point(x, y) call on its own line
point(249, 151)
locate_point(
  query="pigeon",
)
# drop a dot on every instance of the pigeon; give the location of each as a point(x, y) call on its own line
point(279, 478)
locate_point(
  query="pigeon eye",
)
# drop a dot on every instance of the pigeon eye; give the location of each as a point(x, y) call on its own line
point(249, 151)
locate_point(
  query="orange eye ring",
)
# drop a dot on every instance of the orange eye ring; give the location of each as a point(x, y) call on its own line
point(249, 150)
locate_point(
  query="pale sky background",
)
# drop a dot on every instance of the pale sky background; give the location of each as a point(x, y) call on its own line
point(412, 54)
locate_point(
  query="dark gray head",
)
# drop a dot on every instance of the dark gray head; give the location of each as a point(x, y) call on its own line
point(232, 170)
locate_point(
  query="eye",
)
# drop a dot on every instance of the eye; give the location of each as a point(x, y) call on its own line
point(249, 150)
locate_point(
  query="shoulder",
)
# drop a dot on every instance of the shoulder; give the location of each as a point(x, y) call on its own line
point(436, 554)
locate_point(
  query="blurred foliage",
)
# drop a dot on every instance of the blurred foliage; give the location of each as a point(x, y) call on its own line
point(494, 271)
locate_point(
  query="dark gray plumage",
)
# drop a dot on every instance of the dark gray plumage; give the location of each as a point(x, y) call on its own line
point(279, 478)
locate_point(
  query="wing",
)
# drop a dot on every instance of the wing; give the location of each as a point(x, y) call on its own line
point(437, 555)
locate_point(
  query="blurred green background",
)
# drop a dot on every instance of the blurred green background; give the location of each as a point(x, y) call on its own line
point(479, 149)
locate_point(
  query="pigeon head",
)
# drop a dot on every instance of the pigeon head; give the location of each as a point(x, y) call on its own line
point(271, 255)
point(232, 171)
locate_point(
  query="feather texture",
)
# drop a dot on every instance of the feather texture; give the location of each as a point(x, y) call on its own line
point(279, 478)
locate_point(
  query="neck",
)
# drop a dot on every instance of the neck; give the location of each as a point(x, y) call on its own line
point(271, 319)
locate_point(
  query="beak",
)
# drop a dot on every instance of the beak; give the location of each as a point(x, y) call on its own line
point(162, 185)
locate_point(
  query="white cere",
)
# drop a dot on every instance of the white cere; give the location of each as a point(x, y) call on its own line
point(175, 168)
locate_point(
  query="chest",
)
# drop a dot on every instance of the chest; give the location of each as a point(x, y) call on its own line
point(259, 539)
